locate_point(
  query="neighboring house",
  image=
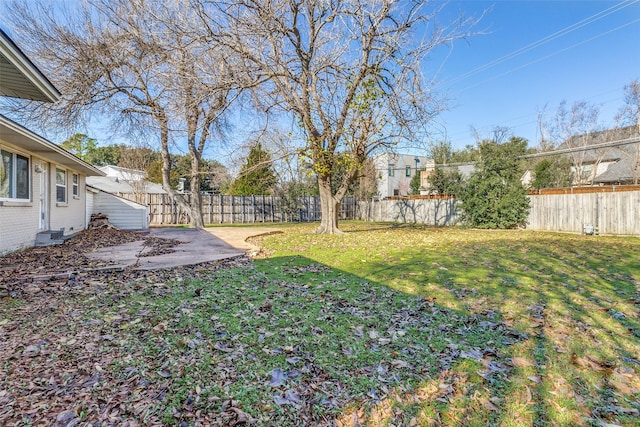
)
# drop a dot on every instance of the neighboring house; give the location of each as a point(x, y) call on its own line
point(42, 186)
point(465, 169)
point(122, 196)
point(395, 171)
point(120, 180)
point(121, 173)
point(610, 157)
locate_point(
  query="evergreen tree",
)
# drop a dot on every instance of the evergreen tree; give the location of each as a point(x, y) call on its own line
point(87, 149)
point(106, 155)
point(445, 180)
point(80, 145)
point(256, 176)
point(494, 197)
point(552, 173)
point(414, 185)
point(466, 155)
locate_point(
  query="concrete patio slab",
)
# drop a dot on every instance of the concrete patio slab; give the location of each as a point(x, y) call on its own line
point(237, 236)
point(199, 246)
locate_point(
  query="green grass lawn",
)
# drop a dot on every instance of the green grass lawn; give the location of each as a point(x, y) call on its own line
point(384, 325)
point(559, 312)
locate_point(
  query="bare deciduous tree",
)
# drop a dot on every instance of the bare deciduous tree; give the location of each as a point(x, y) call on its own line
point(135, 161)
point(629, 115)
point(498, 134)
point(544, 139)
point(141, 63)
point(571, 127)
point(350, 72)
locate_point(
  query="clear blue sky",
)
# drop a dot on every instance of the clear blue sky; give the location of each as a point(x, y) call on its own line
point(530, 54)
point(588, 51)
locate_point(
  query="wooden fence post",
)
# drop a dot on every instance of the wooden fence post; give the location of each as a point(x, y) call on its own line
point(221, 209)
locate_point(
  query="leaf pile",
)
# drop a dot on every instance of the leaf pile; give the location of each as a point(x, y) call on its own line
point(66, 345)
point(42, 263)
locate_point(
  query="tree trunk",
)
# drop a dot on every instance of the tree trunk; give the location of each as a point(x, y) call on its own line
point(196, 196)
point(166, 172)
point(329, 207)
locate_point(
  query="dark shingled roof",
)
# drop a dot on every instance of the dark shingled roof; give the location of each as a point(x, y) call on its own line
point(625, 158)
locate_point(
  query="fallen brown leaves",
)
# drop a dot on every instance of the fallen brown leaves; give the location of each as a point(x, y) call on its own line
point(69, 258)
point(59, 359)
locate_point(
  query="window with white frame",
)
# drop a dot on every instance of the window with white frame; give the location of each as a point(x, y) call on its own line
point(407, 171)
point(391, 169)
point(61, 185)
point(74, 185)
point(15, 174)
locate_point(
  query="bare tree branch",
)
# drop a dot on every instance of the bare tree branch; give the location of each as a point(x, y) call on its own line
point(144, 64)
point(349, 71)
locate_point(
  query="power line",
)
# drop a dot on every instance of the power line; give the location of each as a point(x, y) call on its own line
point(608, 144)
point(547, 39)
point(532, 118)
point(512, 70)
point(519, 120)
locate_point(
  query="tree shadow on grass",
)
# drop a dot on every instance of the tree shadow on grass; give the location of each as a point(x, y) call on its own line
point(385, 357)
point(574, 302)
point(285, 341)
point(480, 336)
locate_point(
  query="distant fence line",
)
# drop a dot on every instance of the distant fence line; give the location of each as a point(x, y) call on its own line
point(223, 209)
point(612, 210)
point(428, 211)
point(610, 213)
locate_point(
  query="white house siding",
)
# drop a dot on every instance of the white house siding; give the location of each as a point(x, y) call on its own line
point(18, 225)
point(90, 198)
point(69, 216)
point(125, 174)
point(399, 183)
point(122, 213)
point(20, 220)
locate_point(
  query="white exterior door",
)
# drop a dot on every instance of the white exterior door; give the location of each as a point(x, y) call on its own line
point(44, 191)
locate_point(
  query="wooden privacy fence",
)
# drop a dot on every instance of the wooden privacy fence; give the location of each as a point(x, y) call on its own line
point(611, 211)
point(429, 211)
point(220, 209)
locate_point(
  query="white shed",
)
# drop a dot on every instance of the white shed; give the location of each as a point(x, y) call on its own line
point(122, 213)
